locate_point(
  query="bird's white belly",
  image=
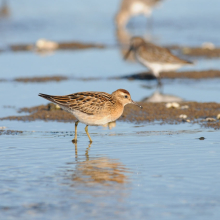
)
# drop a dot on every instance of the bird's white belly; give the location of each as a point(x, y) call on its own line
point(156, 68)
point(170, 67)
point(91, 119)
point(163, 67)
point(140, 8)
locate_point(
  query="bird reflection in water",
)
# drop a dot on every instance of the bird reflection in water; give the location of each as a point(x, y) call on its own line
point(158, 96)
point(99, 170)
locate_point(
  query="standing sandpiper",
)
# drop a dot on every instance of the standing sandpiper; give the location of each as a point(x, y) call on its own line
point(130, 8)
point(157, 59)
point(93, 108)
point(4, 9)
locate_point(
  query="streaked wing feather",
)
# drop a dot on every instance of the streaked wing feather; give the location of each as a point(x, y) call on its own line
point(154, 53)
point(87, 102)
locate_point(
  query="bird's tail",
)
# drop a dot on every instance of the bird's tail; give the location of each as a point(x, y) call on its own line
point(48, 97)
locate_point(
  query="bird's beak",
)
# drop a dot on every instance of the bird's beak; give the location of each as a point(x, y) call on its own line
point(135, 103)
point(127, 54)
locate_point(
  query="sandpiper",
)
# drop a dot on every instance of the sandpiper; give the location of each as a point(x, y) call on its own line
point(93, 108)
point(130, 8)
point(4, 9)
point(157, 59)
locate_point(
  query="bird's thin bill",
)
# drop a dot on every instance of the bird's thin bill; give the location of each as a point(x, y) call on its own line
point(135, 103)
point(127, 54)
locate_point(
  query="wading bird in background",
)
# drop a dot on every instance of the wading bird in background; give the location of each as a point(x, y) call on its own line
point(4, 9)
point(157, 59)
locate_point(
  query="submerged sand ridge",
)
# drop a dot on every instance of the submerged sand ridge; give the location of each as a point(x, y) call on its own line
point(204, 114)
point(204, 74)
point(43, 44)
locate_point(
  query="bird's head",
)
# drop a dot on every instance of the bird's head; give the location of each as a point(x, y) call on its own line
point(135, 43)
point(124, 97)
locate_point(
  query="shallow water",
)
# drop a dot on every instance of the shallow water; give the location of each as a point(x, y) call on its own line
point(174, 22)
point(168, 173)
point(133, 171)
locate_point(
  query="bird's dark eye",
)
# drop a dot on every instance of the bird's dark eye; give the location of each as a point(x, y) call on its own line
point(126, 96)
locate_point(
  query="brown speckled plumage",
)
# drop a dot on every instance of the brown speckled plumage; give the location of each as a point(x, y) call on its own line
point(93, 108)
point(87, 102)
point(152, 53)
point(156, 58)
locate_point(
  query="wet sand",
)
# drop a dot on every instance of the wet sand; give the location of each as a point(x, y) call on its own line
point(201, 52)
point(206, 52)
point(72, 45)
point(10, 132)
point(60, 46)
point(203, 114)
point(204, 74)
point(41, 79)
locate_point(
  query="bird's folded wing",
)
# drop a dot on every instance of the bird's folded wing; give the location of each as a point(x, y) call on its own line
point(159, 54)
point(90, 103)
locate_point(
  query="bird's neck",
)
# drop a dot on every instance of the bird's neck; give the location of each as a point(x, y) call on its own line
point(117, 111)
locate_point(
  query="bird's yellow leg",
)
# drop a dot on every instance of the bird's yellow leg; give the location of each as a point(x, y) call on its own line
point(87, 151)
point(86, 129)
point(75, 139)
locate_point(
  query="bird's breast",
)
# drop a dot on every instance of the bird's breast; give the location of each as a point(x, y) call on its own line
point(117, 111)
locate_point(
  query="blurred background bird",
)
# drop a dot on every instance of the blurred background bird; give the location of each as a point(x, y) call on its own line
point(157, 59)
point(130, 8)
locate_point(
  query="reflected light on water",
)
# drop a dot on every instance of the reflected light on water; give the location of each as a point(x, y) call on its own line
point(98, 171)
point(158, 96)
